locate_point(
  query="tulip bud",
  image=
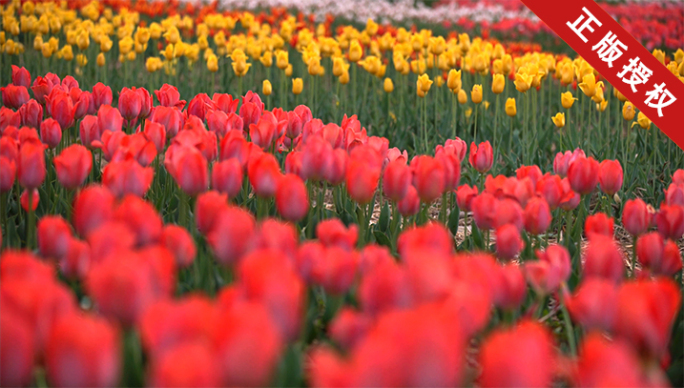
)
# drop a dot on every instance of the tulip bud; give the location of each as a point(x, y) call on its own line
point(476, 94)
point(559, 120)
point(610, 176)
point(510, 107)
point(29, 198)
point(292, 199)
point(388, 86)
point(428, 178)
point(297, 85)
point(603, 260)
point(537, 216)
point(481, 157)
point(508, 242)
point(462, 97)
point(498, 84)
point(226, 177)
point(567, 100)
point(73, 166)
point(583, 174)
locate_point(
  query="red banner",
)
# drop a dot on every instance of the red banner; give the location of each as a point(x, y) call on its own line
point(620, 59)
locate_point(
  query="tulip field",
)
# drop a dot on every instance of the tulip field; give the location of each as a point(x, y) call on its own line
point(332, 194)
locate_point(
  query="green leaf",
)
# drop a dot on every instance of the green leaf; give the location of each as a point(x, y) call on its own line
point(383, 222)
point(382, 239)
point(452, 222)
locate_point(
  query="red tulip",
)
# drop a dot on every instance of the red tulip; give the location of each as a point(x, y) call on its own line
point(508, 242)
point(678, 177)
point(550, 187)
point(9, 118)
point(428, 178)
point(511, 287)
point(89, 132)
point(102, 95)
point(200, 105)
point(248, 345)
point(207, 207)
point(562, 161)
point(146, 99)
point(598, 223)
point(362, 180)
point(130, 103)
point(9, 172)
point(646, 312)
point(141, 218)
point(671, 263)
point(217, 122)
point(484, 207)
point(41, 88)
point(263, 132)
point(349, 327)
point(93, 206)
point(336, 169)
point(292, 199)
point(509, 212)
point(28, 134)
point(453, 146)
point(250, 113)
point(124, 287)
point(230, 235)
point(603, 259)
point(569, 199)
point(337, 271)
point(396, 180)
point(226, 177)
point(14, 96)
point(60, 107)
point(272, 234)
point(533, 172)
point(109, 119)
point(54, 234)
point(603, 362)
point(51, 132)
point(525, 352)
point(189, 169)
point(410, 204)
point(674, 195)
point(333, 134)
point(670, 221)
point(75, 264)
point(31, 114)
point(636, 217)
point(31, 164)
point(583, 175)
point(171, 118)
point(594, 304)
point(83, 351)
point(294, 125)
point(168, 96)
point(83, 105)
point(156, 133)
point(610, 176)
point(264, 173)
point(17, 350)
point(21, 76)
point(189, 364)
point(225, 102)
point(177, 240)
point(332, 232)
point(481, 157)
point(464, 197)
point(127, 177)
point(73, 166)
point(29, 198)
point(316, 158)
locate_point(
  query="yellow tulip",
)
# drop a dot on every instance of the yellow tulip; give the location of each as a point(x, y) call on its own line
point(388, 85)
point(660, 55)
point(643, 121)
point(126, 45)
point(476, 94)
point(602, 106)
point(46, 50)
point(588, 85)
point(288, 70)
point(100, 59)
point(82, 60)
point(462, 97)
point(559, 120)
point(567, 100)
point(267, 88)
point(106, 44)
point(418, 66)
point(673, 67)
point(212, 63)
point(266, 59)
point(423, 84)
point(131, 56)
point(679, 56)
point(371, 27)
point(498, 84)
point(339, 67)
point(511, 109)
point(523, 82)
point(66, 53)
point(83, 40)
point(469, 112)
point(628, 111)
point(355, 51)
point(297, 85)
point(454, 80)
point(436, 46)
point(344, 78)
point(153, 64)
point(282, 59)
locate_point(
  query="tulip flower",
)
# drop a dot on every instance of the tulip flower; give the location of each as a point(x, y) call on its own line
point(297, 86)
point(603, 259)
point(108, 119)
point(226, 177)
point(428, 178)
point(263, 172)
point(31, 164)
point(537, 216)
point(636, 217)
point(127, 177)
point(14, 96)
point(476, 94)
point(73, 166)
point(508, 242)
point(83, 351)
point(102, 95)
point(361, 181)
point(481, 157)
point(9, 168)
point(31, 114)
point(423, 84)
point(559, 120)
point(410, 204)
point(510, 107)
point(29, 200)
point(454, 80)
point(60, 106)
point(567, 100)
point(583, 175)
point(332, 232)
point(498, 83)
point(188, 167)
point(670, 221)
point(292, 199)
point(169, 96)
point(130, 104)
point(502, 350)
point(610, 176)
point(598, 224)
point(21, 76)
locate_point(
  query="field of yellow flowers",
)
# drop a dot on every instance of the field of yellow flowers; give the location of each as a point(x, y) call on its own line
point(235, 194)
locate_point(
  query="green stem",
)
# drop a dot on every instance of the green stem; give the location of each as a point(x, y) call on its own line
point(569, 330)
